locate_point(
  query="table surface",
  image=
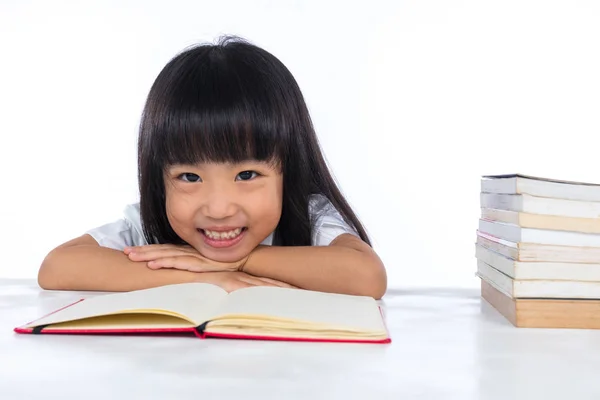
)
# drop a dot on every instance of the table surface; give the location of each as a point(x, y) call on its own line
point(446, 344)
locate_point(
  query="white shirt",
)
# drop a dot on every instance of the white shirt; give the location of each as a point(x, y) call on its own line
point(127, 231)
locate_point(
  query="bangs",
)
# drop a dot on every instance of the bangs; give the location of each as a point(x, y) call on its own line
point(216, 109)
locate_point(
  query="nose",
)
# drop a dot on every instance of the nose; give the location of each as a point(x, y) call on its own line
point(219, 203)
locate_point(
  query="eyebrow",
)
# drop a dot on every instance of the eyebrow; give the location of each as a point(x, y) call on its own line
point(226, 163)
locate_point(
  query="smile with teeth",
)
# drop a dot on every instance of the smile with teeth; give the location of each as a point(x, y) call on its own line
point(223, 235)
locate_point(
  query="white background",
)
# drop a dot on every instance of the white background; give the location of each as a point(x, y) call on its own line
point(413, 101)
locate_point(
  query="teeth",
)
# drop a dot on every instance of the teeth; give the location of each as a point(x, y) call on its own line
point(223, 235)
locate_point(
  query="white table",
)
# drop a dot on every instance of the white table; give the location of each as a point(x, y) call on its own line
point(447, 344)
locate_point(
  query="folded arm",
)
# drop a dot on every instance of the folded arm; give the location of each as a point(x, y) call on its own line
point(347, 265)
point(81, 264)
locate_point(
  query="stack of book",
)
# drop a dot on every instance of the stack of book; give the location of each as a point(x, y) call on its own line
point(538, 251)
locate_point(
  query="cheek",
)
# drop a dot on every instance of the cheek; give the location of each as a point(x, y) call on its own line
point(270, 209)
point(270, 204)
point(177, 210)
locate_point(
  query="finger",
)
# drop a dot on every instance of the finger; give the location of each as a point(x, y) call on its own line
point(274, 282)
point(255, 281)
point(234, 285)
point(160, 247)
point(141, 249)
point(157, 253)
point(277, 283)
point(157, 247)
point(185, 263)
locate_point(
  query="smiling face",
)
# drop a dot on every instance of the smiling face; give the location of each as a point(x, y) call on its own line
point(224, 210)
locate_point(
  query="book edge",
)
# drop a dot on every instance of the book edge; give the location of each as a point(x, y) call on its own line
point(294, 339)
point(539, 178)
point(199, 331)
point(204, 335)
point(25, 326)
point(49, 331)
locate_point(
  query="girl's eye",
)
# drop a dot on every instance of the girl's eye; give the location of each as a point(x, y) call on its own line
point(247, 175)
point(190, 177)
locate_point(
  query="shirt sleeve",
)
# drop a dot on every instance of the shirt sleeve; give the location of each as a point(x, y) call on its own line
point(126, 231)
point(328, 222)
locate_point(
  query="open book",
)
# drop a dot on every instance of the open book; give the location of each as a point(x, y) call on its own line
point(268, 313)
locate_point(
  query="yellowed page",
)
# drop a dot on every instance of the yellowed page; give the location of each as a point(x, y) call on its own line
point(191, 301)
point(337, 311)
point(124, 322)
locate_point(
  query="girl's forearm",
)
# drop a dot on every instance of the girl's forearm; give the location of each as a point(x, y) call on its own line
point(90, 267)
point(336, 269)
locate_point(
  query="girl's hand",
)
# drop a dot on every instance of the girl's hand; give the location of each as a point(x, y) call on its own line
point(179, 257)
point(231, 281)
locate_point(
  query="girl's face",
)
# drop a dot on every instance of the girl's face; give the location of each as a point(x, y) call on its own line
point(224, 210)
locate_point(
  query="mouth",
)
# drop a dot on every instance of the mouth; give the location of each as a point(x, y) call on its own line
point(221, 239)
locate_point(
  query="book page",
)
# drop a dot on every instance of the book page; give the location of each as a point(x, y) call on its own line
point(192, 301)
point(335, 310)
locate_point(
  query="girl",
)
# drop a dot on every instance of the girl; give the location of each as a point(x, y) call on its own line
point(234, 190)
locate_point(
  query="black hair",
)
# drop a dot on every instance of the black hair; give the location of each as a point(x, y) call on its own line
point(231, 102)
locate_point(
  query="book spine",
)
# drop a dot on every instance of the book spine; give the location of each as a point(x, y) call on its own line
point(200, 330)
point(38, 329)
